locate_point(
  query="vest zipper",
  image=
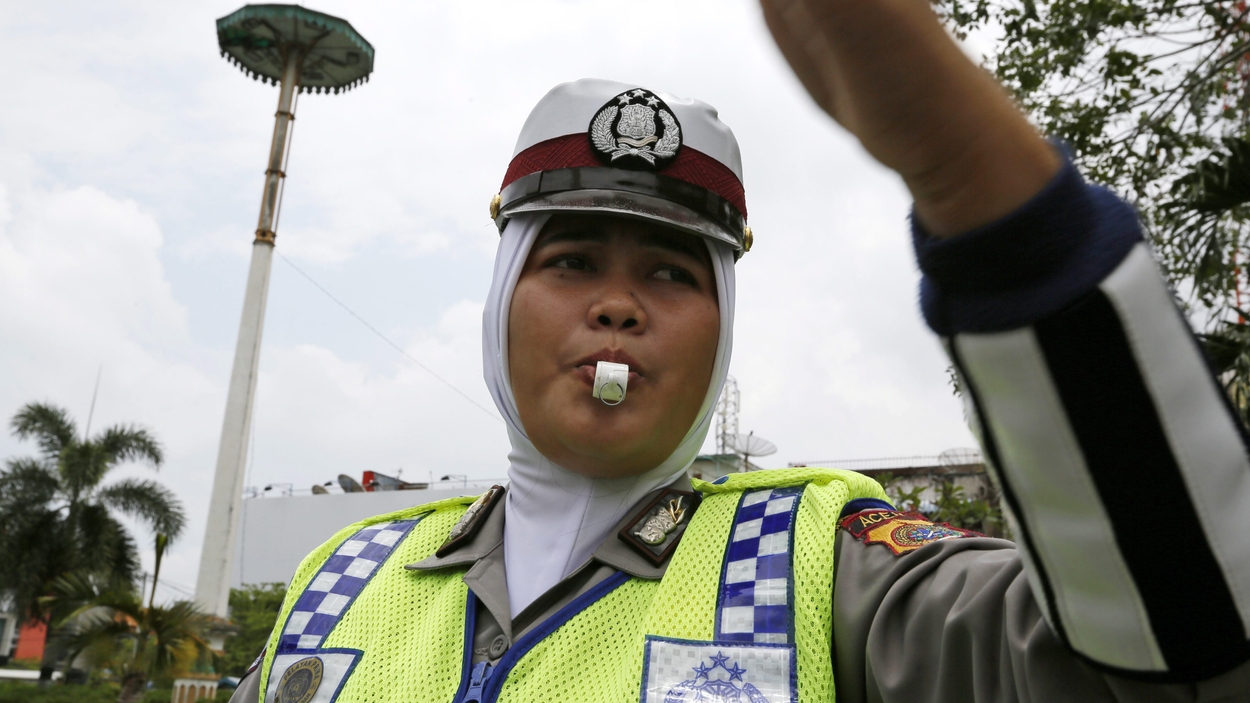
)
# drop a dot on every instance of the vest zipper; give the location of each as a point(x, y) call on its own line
point(477, 683)
point(466, 667)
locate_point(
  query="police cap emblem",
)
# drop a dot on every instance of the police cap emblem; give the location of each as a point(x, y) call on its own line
point(635, 130)
point(300, 681)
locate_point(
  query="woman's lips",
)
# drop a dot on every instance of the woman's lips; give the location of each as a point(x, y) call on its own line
point(586, 372)
point(586, 367)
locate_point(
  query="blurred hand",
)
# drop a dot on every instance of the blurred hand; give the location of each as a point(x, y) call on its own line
point(887, 71)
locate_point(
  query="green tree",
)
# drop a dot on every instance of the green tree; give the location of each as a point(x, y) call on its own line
point(953, 506)
point(56, 517)
point(1141, 90)
point(254, 610)
point(1153, 98)
point(108, 619)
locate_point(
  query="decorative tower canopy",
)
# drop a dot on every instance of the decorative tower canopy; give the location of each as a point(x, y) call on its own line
point(334, 56)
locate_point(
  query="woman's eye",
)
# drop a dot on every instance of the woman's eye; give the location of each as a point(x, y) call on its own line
point(573, 263)
point(676, 275)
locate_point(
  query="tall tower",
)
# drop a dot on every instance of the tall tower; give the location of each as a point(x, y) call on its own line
point(727, 417)
point(301, 51)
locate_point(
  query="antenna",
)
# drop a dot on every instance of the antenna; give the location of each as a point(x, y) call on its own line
point(91, 412)
point(748, 445)
point(727, 416)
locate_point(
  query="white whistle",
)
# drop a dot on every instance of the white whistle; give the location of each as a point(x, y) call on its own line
point(611, 381)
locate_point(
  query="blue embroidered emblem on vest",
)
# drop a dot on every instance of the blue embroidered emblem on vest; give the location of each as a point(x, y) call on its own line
point(708, 684)
point(754, 603)
point(722, 672)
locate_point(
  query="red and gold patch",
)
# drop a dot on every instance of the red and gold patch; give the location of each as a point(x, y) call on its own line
point(901, 532)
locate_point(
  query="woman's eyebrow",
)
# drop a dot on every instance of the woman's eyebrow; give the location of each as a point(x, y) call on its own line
point(572, 235)
point(674, 243)
point(679, 244)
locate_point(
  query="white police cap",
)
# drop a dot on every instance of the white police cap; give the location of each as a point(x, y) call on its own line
point(602, 146)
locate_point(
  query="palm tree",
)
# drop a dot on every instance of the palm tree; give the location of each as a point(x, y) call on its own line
point(56, 518)
point(137, 643)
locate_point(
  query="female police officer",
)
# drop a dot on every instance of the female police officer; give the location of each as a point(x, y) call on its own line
point(600, 574)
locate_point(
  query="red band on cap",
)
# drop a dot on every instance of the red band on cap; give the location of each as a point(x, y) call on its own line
point(573, 151)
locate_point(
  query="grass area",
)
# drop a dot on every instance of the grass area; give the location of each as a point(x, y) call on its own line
point(27, 692)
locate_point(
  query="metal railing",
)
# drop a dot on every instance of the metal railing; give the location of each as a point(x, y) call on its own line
point(961, 457)
point(284, 490)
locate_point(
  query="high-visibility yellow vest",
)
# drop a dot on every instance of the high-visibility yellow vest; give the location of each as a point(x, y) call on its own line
point(743, 613)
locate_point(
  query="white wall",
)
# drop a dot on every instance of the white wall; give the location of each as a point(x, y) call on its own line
point(276, 533)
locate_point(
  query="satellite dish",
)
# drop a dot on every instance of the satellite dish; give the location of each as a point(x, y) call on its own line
point(350, 485)
point(960, 456)
point(750, 445)
point(319, 490)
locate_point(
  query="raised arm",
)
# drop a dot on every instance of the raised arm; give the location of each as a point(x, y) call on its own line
point(1124, 470)
point(887, 71)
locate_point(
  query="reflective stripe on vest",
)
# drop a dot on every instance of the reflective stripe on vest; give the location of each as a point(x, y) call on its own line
point(744, 612)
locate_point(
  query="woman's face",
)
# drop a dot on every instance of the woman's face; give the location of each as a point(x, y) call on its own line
point(602, 288)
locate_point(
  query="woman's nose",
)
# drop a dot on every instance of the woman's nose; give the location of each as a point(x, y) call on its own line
point(618, 311)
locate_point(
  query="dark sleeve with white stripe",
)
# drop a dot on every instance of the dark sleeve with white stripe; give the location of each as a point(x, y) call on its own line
point(1124, 469)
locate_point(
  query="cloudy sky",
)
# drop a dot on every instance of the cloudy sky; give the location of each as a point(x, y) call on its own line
point(131, 160)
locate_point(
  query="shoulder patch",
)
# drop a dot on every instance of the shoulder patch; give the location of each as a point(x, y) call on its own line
point(655, 531)
point(471, 521)
point(900, 532)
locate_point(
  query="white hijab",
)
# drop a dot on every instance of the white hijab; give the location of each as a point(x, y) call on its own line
point(554, 519)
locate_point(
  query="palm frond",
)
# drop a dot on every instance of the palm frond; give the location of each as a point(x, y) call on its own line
point(129, 443)
point(148, 501)
point(35, 551)
point(25, 482)
point(178, 631)
point(103, 545)
point(151, 641)
point(73, 593)
point(91, 628)
point(82, 465)
point(49, 425)
point(91, 611)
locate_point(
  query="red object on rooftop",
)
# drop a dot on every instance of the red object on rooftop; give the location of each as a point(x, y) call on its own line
point(374, 481)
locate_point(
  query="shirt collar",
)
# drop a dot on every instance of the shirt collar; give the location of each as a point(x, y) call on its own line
point(612, 551)
point(484, 542)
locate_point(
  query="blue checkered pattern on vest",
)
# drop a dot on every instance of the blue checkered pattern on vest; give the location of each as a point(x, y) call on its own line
point(336, 585)
point(756, 588)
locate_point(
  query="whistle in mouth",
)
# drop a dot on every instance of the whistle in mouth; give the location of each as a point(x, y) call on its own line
point(611, 381)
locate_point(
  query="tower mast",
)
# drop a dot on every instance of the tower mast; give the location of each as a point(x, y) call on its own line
point(305, 51)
